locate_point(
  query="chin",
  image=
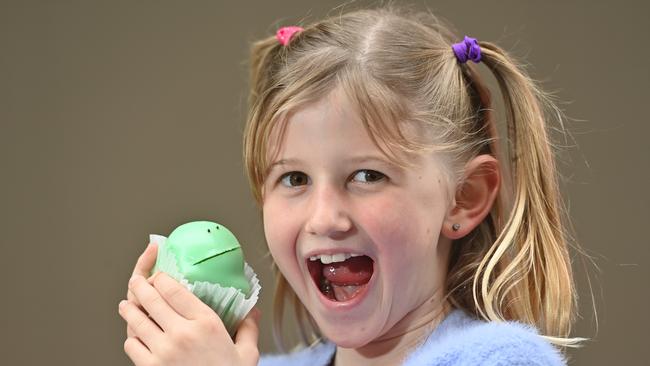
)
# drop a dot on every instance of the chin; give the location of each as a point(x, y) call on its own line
point(343, 337)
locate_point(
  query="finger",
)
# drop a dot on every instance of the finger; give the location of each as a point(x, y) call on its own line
point(154, 304)
point(131, 296)
point(134, 300)
point(137, 352)
point(129, 330)
point(143, 267)
point(144, 328)
point(180, 298)
point(146, 261)
point(248, 334)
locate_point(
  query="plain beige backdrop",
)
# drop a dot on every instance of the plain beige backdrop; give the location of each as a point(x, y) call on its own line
point(124, 118)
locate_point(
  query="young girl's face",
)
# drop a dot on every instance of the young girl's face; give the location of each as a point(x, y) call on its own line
point(335, 192)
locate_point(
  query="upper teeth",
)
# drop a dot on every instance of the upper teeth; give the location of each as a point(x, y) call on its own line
point(338, 257)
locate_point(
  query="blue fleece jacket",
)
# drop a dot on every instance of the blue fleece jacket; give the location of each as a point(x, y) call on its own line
point(458, 340)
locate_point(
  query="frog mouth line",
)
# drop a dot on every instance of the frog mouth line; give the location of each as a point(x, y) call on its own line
point(212, 256)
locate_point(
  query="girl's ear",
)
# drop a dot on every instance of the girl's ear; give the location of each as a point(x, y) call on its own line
point(474, 197)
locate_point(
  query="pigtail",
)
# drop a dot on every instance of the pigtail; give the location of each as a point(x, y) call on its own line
point(263, 68)
point(526, 274)
point(263, 55)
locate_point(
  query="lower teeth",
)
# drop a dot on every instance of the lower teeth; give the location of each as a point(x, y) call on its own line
point(326, 288)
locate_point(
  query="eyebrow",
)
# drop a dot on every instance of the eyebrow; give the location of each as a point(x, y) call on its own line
point(358, 159)
point(283, 162)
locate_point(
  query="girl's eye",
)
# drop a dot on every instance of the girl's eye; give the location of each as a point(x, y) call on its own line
point(369, 176)
point(293, 179)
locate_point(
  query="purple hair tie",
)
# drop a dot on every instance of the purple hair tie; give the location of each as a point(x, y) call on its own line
point(467, 49)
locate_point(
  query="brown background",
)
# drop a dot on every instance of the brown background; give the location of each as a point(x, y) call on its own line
point(124, 118)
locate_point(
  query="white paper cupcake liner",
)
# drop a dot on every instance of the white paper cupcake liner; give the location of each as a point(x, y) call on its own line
point(231, 304)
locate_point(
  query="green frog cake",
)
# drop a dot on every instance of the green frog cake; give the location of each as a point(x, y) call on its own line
point(207, 258)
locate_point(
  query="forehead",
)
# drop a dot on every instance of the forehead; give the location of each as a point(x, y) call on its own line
point(331, 122)
point(331, 118)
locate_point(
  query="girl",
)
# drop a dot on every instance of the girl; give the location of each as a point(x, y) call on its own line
point(404, 228)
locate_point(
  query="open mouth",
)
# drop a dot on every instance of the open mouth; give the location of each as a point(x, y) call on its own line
point(341, 280)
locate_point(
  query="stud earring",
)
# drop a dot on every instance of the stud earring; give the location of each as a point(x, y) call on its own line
point(455, 227)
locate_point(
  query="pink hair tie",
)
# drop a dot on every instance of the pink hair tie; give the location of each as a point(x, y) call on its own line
point(284, 34)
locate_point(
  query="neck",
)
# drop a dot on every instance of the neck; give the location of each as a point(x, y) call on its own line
point(396, 344)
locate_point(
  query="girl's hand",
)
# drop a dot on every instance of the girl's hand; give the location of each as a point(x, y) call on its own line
point(143, 267)
point(179, 329)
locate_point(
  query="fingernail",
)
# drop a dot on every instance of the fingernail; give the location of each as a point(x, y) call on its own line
point(122, 303)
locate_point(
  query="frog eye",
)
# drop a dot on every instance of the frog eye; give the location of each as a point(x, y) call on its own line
point(217, 227)
point(209, 230)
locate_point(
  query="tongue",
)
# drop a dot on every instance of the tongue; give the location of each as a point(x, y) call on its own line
point(345, 293)
point(350, 273)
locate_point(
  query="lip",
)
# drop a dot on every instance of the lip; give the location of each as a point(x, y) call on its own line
point(343, 306)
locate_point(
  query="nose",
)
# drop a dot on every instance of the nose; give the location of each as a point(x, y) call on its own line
point(329, 215)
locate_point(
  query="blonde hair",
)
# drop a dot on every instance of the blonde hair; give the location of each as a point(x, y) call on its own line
point(398, 68)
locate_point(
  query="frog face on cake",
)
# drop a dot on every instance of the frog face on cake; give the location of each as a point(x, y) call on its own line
point(208, 251)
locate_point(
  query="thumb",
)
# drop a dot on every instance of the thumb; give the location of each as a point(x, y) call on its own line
point(247, 336)
point(256, 313)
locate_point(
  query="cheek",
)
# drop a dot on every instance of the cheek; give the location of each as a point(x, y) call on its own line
point(405, 230)
point(391, 227)
point(280, 233)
